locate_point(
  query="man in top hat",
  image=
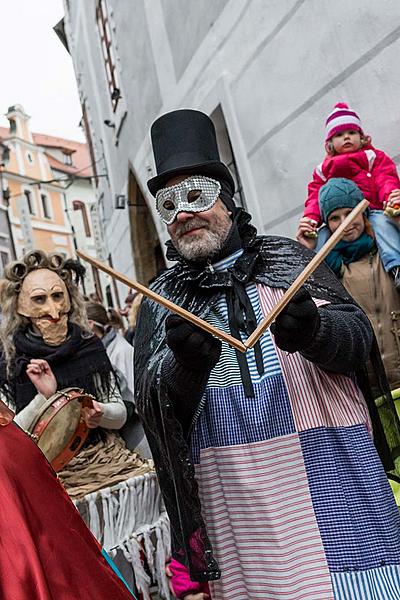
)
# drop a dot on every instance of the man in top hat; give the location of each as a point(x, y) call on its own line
point(266, 462)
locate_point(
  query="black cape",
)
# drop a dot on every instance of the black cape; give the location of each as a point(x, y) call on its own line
point(269, 260)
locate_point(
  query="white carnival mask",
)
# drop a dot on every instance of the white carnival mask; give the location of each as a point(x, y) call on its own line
point(194, 194)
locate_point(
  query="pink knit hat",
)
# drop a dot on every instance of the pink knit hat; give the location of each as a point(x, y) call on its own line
point(341, 118)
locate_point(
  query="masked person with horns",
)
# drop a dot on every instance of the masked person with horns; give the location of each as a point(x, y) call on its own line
point(266, 460)
point(47, 343)
point(47, 550)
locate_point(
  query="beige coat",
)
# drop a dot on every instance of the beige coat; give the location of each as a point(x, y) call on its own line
point(374, 290)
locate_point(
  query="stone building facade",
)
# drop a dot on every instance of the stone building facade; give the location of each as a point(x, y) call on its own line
point(267, 71)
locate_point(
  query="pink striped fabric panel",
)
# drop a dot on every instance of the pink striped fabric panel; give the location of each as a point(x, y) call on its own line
point(318, 399)
point(279, 556)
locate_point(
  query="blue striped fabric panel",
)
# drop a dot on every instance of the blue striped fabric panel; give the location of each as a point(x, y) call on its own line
point(356, 515)
point(374, 584)
point(229, 418)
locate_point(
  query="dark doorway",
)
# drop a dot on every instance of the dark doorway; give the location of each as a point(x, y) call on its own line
point(146, 248)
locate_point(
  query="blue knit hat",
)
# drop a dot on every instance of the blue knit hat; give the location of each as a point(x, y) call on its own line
point(338, 192)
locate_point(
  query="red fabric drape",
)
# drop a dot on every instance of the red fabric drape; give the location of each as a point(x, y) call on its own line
point(46, 550)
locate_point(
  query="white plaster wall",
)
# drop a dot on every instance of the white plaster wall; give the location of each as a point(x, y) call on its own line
point(277, 67)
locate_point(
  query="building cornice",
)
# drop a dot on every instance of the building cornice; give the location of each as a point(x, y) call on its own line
point(29, 180)
point(44, 226)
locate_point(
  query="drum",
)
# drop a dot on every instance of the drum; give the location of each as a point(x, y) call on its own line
point(6, 415)
point(59, 429)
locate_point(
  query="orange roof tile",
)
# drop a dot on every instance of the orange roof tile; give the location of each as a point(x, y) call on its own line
point(80, 153)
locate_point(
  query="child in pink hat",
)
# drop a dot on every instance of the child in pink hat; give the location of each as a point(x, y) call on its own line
point(351, 155)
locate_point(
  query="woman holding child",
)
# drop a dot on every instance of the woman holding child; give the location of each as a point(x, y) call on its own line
point(357, 262)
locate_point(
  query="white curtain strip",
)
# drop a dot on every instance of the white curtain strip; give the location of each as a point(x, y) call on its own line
point(130, 517)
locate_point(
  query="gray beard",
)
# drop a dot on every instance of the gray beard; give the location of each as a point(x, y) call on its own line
point(201, 249)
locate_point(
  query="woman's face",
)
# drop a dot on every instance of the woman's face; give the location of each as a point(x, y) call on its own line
point(353, 231)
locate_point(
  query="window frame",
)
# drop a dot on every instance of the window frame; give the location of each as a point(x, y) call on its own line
point(108, 53)
point(45, 206)
point(30, 198)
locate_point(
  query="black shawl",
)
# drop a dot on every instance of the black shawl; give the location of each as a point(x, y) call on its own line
point(73, 363)
point(273, 261)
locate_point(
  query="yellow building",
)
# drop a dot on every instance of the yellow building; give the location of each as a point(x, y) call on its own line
point(37, 202)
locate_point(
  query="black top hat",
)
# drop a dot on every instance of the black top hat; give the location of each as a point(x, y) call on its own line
point(184, 141)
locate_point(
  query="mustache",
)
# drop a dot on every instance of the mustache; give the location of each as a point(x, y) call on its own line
point(194, 223)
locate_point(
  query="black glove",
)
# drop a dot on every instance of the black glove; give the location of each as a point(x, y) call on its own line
point(193, 348)
point(296, 326)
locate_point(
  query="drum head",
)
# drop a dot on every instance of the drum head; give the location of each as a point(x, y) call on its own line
point(60, 431)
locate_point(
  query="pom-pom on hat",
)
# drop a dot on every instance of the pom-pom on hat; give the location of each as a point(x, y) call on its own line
point(338, 192)
point(340, 119)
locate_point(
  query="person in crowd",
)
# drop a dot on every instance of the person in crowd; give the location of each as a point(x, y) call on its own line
point(128, 303)
point(44, 318)
point(132, 319)
point(115, 320)
point(120, 353)
point(350, 154)
point(357, 262)
point(265, 459)
point(47, 551)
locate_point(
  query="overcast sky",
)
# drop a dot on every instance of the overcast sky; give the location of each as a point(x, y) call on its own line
point(36, 70)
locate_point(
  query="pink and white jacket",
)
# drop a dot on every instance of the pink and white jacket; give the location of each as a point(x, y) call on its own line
point(371, 170)
point(181, 583)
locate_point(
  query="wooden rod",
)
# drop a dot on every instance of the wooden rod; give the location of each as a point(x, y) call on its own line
point(185, 314)
point(304, 275)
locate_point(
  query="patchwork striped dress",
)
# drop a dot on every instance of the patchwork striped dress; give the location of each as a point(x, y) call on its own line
point(294, 496)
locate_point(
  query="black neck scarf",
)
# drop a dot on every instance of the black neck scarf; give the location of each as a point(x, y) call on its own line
point(74, 364)
point(241, 316)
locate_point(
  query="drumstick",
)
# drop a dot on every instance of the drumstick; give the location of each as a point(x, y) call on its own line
point(182, 312)
point(304, 275)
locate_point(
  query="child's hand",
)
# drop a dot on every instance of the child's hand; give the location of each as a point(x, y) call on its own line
point(392, 206)
point(394, 199)
point(200, 596)
point(306, 229)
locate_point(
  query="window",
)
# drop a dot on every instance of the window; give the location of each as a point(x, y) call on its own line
point(45, 206)
point(103, 24)
point(30, 158)
point(79, 205)
point(28, 196)
point(67, 159)
point(13, 126)
point(88, 133)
